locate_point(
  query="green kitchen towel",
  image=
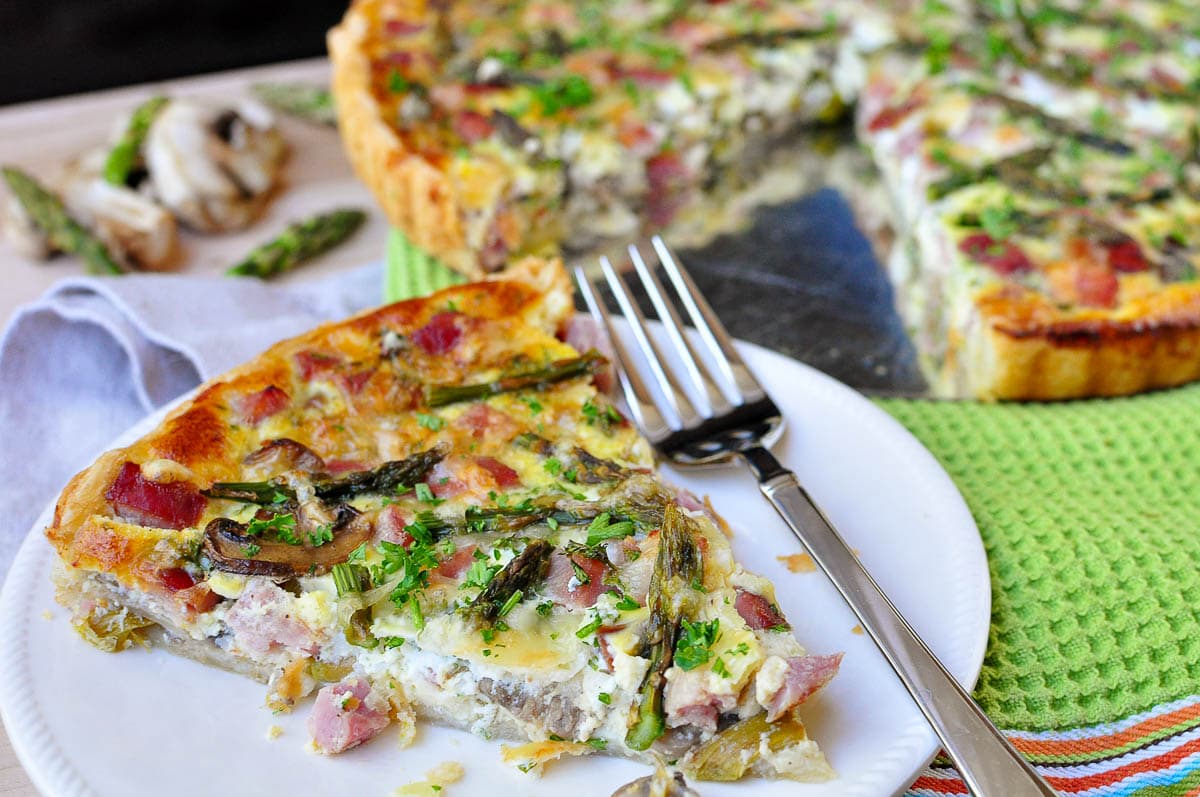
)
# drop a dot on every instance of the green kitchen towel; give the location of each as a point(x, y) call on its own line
point(409, 272)
point(1090, 514)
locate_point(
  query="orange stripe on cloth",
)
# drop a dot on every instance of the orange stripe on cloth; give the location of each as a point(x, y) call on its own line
point(1167, 759)
point(1134, 733)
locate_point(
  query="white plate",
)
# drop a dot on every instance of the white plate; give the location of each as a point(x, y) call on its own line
point(147, 723)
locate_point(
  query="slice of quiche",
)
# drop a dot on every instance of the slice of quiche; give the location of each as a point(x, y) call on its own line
point(429, 510)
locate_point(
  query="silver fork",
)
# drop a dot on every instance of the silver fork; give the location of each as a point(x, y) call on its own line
point(736, 419)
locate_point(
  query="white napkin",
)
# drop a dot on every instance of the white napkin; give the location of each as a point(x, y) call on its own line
point(94, 355)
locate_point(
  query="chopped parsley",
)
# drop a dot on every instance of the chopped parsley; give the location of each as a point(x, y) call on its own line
point(390, 642)
point(358, 554)
point(605, 698)
point(553, 466)
point(415, 561)
point(250, 549)
point(426, 495)
point(602, 529)
point(397, 83)
point(431, 422)
point(480, 574)
point(597, 744)
point(694, 646)
point(545, 607)
point(720, 669)
point(580, 574)
point(586, 631)
point(557, 94)
point(283, 527)
point(602, 415)
point(321, 535)
point(511, 602)
point(627, 604)
point(534, 405)
point(1001, 223)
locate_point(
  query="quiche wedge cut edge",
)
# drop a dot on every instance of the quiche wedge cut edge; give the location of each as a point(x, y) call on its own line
point(429, 511)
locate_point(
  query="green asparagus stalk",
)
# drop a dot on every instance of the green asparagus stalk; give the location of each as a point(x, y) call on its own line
point(299, 242)
point(524, 571)
point(125, 155)
point(64, 232)
point(304, 100)
point(265, 493)
point(670, 599)
point(385, 478)
point(537, 379)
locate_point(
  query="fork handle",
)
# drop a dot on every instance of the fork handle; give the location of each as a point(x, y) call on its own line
point(987, 762)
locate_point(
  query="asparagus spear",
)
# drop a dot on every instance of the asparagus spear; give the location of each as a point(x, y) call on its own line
point(64, 232)
point(385, 478)
point(304, 100)
point(524, 571)
point(537, 379)
point(670, 598)
point(299, 242)
point(125, 154)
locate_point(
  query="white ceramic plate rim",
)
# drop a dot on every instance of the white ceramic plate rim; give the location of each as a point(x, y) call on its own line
point(54, 772)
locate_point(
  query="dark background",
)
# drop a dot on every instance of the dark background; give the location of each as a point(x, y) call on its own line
point(53, 47)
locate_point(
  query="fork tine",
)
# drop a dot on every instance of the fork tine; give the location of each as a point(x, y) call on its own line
point(673, 395)
point(641, 405)
point(698, 371)
point(710, 328)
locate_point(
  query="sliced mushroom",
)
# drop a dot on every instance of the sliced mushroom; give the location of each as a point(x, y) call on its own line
point(232, 550)
point(137, 231)
point(213, 167)
point(286, 454)
point(661, 784)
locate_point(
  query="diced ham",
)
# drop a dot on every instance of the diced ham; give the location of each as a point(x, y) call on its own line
point(1003, 257)
point(352, 384)
point(1095, 285)
point(457, 563)
point(666, 178)
point(389, 526)
point(805, 676)
point(646, 76)
point(1126, 257)
point(583, 333)
point(563, 584)
point(168, 505)
point(345, 715)
point(315, 363)
point(688, 500)
point(444, 483)
point(482, 420)
point(893, 115)
point(687, 700)
point(757, 611)
point(402, 27)
point(176, 578)
point(259, 406)
point(336, 466)
point(198, 599)
point(504, 476)
point(472, 126)
point(262, 622)
point(440, 335)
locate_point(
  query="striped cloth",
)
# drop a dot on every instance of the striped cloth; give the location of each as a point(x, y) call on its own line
point(1152, 754)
